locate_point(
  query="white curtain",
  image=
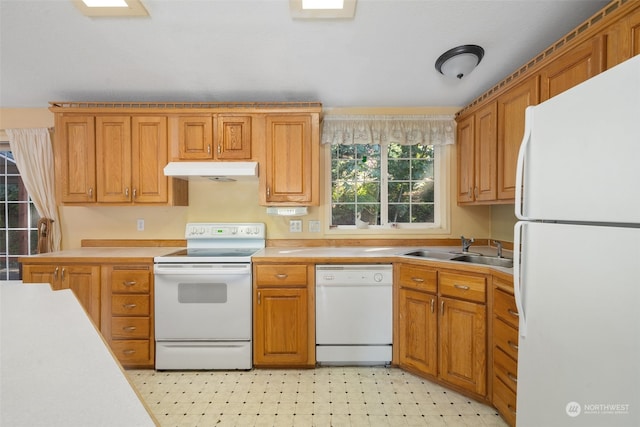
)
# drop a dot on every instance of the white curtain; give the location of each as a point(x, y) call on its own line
point(378, 129)
point(33, 154)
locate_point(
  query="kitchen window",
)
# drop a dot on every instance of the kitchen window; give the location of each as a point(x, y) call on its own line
point(18, 219)
point(388, 173)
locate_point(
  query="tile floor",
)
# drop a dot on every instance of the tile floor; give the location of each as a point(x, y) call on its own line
point(326, 396)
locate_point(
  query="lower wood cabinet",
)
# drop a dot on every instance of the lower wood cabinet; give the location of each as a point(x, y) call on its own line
point(82, 279)
point(128, 312)
point(504, 378)
point(283, 329)
point(442, 326)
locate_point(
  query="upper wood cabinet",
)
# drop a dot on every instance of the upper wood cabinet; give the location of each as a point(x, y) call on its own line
point(477, 156)
point(511, 121)
point(291, 172)
point(74, 152)
point(214, 137)
point(114, 159)
point(572, 68)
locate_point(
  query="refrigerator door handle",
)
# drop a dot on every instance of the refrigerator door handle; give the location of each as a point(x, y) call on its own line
point(517, 277)
point(520, 165)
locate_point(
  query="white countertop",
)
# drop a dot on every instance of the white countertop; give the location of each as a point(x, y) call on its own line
point(55, 369)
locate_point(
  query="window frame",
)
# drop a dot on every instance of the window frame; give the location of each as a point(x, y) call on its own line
point(441, 174)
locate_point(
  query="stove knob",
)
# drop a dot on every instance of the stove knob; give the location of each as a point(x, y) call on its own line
point(377, 277)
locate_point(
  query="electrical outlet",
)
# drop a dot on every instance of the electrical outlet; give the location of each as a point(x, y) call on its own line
point(314, 226)
point(140, 224)
point(295, 226)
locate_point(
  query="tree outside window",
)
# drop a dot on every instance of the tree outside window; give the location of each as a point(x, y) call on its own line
point(383, 185)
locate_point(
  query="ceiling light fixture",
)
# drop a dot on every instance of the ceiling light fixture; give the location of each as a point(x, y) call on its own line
point(459, 61)
point(322, 9)
point(110, 8)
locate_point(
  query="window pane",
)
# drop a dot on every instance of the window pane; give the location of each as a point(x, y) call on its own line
point(422, 191)
point(398, 192)
point(343, 214)
point(422, 213)
point(399, 213)
point(343, 192)
point(18, 242)
point(14, 269)
point(399, 169)
point(421, 169)
point(370, 213)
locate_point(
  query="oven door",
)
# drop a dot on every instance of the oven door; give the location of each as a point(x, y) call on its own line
point(202, 302)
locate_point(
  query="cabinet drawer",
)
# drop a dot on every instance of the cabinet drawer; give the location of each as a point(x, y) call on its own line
point(279, 275)
point(133, 281)
point(415, 277)
point(129, 327)
point(506, 338)
point(504, 399)
point(505, 368)
point(463, 286)
point(131, 351)
point(504, 306)
point(130, 305)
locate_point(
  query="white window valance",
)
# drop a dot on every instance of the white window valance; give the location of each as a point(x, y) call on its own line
point(378, 129)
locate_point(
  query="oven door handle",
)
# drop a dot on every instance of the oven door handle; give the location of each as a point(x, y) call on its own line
point(222, 269)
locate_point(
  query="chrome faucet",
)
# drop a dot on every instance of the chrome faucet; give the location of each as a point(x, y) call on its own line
point(466, 243)
point(498, 247)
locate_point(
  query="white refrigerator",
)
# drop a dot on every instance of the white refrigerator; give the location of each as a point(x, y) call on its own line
point(577, 256)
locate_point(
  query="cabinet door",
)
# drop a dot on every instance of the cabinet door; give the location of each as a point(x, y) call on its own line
point(486, 157)
point(75, 158)
point(466, 162)
point(574, 67)
point(113, 147)
point(634, 34)
point(84, 281)
point(280, 327)
point(418, 331)
point(195, 136)
point(233, 138)
point(149, 157)
point(463, 359)
point(292, 153)
point(42, 273)
point(511, 108)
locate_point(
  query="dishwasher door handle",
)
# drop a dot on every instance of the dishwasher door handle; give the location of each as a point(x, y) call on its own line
point(354, 285)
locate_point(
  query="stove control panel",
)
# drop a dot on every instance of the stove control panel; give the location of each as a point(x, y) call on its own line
point(201, 230)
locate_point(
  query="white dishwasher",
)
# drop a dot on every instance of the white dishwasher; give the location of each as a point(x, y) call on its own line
point(354, 314)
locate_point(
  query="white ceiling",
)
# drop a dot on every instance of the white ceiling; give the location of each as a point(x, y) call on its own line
point(251, 50)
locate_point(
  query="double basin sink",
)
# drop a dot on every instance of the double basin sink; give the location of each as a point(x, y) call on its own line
point(471, 258)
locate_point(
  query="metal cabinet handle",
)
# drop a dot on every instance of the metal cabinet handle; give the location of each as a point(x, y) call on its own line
point(512, 345)
point(475, 192)
point(442, 308)
point(209, 149)
point(129, 328)
point(282, 275)
point(129, 306)
point(55, 273)
point(432, 304)
point(128, 352)
point(219, 149)
point(418, 279)
point(126, 191)
point(135, 193)
point(129, 282)
point(259, 297)
point(91, 193)
point(463, 287)
point(62, 275)
point(512, 377)
point(513, 313)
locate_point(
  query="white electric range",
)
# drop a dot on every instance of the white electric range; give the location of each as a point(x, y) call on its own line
point(203, 303)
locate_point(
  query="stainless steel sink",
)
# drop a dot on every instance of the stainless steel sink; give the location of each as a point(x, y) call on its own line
point(486, 260)
point(431, 254)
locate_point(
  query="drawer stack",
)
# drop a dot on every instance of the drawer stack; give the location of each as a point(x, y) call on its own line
point(130, 329)
point(505, 351)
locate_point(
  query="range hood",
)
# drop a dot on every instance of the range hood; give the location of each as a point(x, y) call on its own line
point(215, 171)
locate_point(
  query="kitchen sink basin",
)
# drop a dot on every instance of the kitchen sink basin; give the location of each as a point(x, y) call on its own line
point(431, 254)
point(486, 260)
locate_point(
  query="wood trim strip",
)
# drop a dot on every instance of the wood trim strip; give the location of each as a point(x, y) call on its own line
point(138, 243)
